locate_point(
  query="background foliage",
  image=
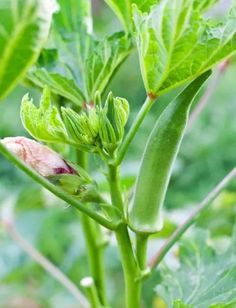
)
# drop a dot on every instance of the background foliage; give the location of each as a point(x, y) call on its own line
point(207, 154)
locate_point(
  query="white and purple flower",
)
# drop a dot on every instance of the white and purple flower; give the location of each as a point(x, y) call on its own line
point(39, 157)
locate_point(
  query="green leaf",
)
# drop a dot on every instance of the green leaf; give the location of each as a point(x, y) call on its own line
point(145, 212)
point(73, 16)
point(43, 123)
point(65, 60)
point(204, 4)
point(204, 277)
point(176, 44)
point(72, 30)
point(24, 28)
point(80, 57)
point(103, 60)
point(122, 9)
point(145, 5)
point(58, 84)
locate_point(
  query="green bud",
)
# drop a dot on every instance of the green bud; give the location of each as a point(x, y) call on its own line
point(98, 128)
point(78, 184)
point(112, 119)
point(82, 128)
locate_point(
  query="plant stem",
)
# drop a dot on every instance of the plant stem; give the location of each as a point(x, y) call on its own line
point(95, 249)
point(115, 188)
point(191, 220)
point(88, 284)
point(129, 264)
point(141, 250)
point(82, 159)
point(134, 128)
point(56, 190)
point(130, 268)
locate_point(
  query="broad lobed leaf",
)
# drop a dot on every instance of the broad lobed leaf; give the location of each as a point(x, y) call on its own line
point(204, 278)
point(24, 28)
point(80, 56)
point(123, 9)
point(176, 44)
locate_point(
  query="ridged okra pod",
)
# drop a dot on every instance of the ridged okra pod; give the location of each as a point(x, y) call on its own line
point(145, 212)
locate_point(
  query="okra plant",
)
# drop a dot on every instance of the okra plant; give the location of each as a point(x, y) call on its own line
point(52, 46)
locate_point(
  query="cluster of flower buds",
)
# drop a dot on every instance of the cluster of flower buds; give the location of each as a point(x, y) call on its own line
point(100, 127)
point(72, 179)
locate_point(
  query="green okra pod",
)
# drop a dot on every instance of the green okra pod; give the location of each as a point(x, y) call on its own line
point(144, 213)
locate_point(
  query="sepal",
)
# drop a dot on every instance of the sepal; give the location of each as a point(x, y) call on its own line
point(43, 123)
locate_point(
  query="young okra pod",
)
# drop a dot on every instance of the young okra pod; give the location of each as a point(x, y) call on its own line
point(145, 212)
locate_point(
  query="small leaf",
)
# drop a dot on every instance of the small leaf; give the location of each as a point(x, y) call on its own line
point(24, 28)
point(176, 44)
point(58, 84)
point(204, 278)
point(43, 123)
point(145, 212)
point(103, 59)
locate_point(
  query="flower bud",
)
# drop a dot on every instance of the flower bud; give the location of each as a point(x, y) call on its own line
point(100, 127)
point(113, 117)
point(83, 127)
point(39, 157)
point(71, 179)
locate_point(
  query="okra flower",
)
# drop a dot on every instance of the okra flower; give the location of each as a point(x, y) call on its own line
point(74, 181)
point(39, 157)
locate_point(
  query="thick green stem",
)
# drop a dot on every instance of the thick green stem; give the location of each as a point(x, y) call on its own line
point(134, 128)
point(191, 220)
point(130, 268)
point(141, 250)
point(94, 243)
point(115, 188)
point(128, 259)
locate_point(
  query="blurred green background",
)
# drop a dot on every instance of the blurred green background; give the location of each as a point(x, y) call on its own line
point(207, 154)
